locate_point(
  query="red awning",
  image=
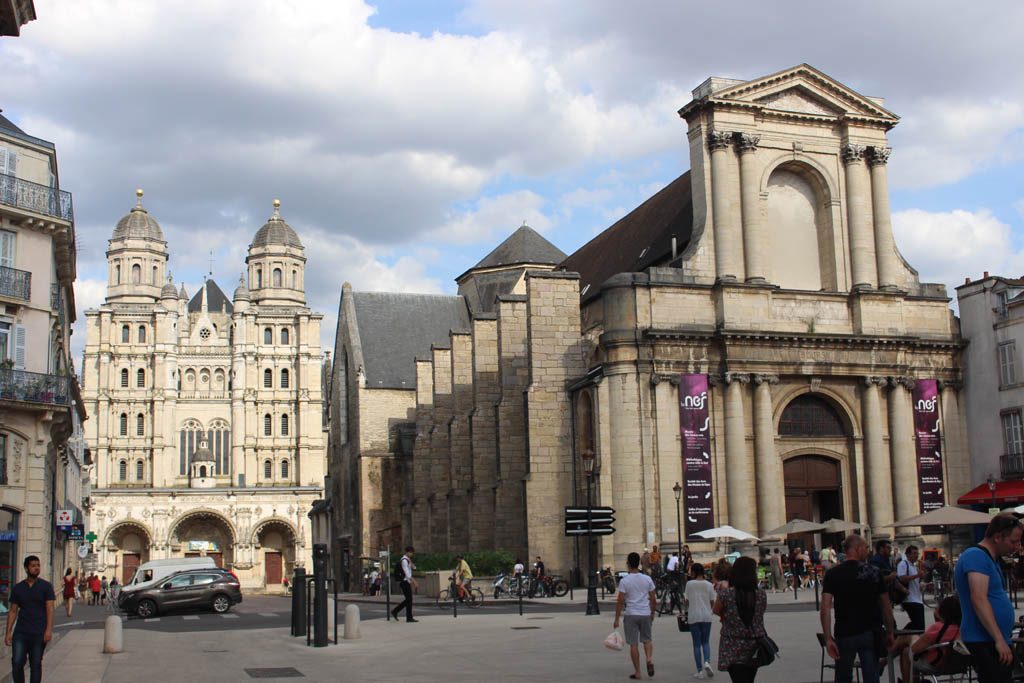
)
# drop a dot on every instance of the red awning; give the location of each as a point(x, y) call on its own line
point(1006, 492)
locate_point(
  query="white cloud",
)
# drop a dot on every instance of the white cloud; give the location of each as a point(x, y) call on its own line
point(493, 218)
point(949, 246)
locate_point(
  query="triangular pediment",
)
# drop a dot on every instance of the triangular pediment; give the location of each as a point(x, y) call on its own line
point(804, 90)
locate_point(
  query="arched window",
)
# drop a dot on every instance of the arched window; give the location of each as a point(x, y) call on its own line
point(122, 427)
point(139, 468)
point(126, 334)
point(810, 415)
point(268, 469)
point(136, 274)
point(202, 470)
point(140, 425)
point(284, 378)
point(259, 278)
point(268, 425)
point(284, 335)
point(122, 470)
point(268, 336)
point(117, 274)
point(268, 379)
point(124, 377)
point(295, 279)
point(142, 334)
point(284, 469)
point(799, 252)
point(154, 275)
point(140, 378)
point(284, 424)
point(277, 277)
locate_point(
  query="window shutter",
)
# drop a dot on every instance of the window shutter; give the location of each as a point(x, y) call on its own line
point(8, 161)
point(6, 248)
point(19, 347)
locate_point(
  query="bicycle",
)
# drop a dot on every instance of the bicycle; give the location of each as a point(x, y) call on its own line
point(474, 597)
point(935, 591)
point(669, 598)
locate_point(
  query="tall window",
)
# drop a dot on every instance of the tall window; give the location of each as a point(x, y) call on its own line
point(268, 469)
point(136, 274)
point(140, 378)
point(124, 377)
point(122, 470)
point(1013, 435)
point(123, 425)
point(126, 333)
point(140, 425)
point(7, 241)
point(1001, 300)
point(284, 469)
point(277, 277)
point(117, 274)
point(284, 378)
point(142, 334)
point(295, 279)
point(259, 278)
point(1007, 363)
point(268, 379)
point(139, 467)
point(268, 425)
point(268, 336)
point(284, 335)
point(284, 425)
point(153, 282)
point(3, 459)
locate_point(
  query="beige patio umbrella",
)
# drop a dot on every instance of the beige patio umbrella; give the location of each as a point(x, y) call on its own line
point(946, 516)
point(838, 526)
point(795, 526)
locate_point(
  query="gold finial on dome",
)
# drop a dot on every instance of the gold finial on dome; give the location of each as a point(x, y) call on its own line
point(277, 210)
point(138, 194)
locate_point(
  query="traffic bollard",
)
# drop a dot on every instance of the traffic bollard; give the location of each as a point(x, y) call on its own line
point(113, 635)
point(299, 602)
point(352, 622)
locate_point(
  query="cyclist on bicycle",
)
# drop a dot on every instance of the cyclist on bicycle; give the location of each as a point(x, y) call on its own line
point(463, 576)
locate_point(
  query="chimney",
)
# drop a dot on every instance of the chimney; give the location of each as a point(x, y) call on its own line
point(986, 275)
point(967, 280)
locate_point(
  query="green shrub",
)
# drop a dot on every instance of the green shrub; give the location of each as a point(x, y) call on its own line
point(481, 562)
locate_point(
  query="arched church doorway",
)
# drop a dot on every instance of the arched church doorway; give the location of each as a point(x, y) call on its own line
point(275, 542)
point(813, 492)
point(129, 544)
point(204, 534)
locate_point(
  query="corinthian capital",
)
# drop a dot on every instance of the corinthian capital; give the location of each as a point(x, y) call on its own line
point(905, 382)
point(719, 139)
point(951, 384)
point(745, 142)
point(740, 377)
point(760, 379)
point(852, 154)
point(874, 381)
point(878, 155)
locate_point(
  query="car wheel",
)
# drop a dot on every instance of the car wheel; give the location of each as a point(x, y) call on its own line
point(146, 609)
point(221, 604)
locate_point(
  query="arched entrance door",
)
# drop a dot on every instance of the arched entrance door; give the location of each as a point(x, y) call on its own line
point(129, 544)
point(275, 541)
point(813, 491)
point(205, 534)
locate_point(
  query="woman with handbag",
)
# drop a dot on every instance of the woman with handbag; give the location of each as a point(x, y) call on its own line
point(698, 598)
point(741, 607)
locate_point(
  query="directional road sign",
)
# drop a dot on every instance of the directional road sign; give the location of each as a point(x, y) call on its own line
point(579, 521)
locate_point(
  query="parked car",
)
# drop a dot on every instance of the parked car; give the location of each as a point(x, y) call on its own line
point(214, 588)
point(150, 573)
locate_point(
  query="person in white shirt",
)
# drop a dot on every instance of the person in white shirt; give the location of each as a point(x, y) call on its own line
point(907, 574)
point(408, 585)
point(699, 597)
point(673, 563)
point(637, 599)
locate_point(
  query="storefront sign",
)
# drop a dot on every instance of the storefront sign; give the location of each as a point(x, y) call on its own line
point(929, 444)
point(65, 517)
point(76, 532)
point(694, 428)
point(208, 546)
point(9, 535)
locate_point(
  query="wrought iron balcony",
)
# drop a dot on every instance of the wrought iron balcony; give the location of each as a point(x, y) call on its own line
point(15, 283)
point(57, 302)
point(1011, 466)
point(30, 196)
point(34, 387)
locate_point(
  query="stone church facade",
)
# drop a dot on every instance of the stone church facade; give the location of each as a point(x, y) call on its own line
point(207, 430)
point(769, 269)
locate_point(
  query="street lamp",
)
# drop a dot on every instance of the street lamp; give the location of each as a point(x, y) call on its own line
point(588, 466)
point(678, 490)
point(992, 489)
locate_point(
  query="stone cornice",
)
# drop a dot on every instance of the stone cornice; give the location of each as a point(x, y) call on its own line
point(822, 339)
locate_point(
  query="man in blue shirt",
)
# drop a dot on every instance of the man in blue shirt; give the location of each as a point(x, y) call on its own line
point(987, 612)
point(29, 623)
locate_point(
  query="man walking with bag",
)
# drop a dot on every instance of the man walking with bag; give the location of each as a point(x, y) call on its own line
point(637, 598)
point(408, 584)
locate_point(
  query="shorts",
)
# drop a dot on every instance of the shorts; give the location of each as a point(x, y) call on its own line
point(637, 628)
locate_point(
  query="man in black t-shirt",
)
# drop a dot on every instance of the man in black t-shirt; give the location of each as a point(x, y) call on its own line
point(29, 623)
point(862, 607)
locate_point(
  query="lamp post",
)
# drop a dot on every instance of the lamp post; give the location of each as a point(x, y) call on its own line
point(992, 489)
point(678, 490)
point(588, 466)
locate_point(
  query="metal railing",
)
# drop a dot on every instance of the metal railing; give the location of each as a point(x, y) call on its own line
point(43, 199)
point(57, 302)
point(15, 283)
point(1011, 465)
point(34, 387)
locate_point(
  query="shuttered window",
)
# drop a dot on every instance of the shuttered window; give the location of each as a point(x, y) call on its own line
point(7, 253)
point(1007, 364)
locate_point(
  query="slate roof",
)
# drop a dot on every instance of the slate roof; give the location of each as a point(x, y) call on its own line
point(525, 245)
point(214, 299)
point(8, 125)
point(395, 329)
point(638, 240)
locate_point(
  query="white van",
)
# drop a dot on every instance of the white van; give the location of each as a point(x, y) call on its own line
point(150, 572)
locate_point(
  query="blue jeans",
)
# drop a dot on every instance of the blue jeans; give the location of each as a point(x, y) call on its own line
point(27, 646)
point(700, 631)
point(861, 645)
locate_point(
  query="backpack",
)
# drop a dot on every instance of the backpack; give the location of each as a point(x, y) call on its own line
point(398, 574)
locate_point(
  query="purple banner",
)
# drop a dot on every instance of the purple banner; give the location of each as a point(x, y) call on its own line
point(694, 426)
point(929, 444)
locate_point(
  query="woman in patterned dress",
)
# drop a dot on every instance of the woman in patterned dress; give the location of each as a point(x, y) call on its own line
point(741, 606)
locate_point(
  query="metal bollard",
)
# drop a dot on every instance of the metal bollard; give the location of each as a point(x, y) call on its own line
point(113, 635)
point(352, 622)
point(320, 559)
point(299, 602)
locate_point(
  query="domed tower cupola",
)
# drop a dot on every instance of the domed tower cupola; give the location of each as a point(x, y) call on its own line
point(136, 257)
point(277, 264)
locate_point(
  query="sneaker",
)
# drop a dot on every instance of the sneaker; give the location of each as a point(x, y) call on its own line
point(708, 671)
point(699, 674)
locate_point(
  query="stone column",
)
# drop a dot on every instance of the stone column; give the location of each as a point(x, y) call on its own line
point(771, 510)
point(901, 446)
point(728, 260)
point(862, 239)
point(877, 459)
point(738, 485)
point(754, 243)
point(954, 455)
point(885, 246)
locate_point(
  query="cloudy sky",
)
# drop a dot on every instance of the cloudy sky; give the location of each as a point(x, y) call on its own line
point(406, 138)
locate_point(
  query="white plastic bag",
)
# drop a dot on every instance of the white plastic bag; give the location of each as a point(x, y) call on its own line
point(615, 641)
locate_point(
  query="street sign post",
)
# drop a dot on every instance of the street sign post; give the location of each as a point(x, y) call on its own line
point(579, 521)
